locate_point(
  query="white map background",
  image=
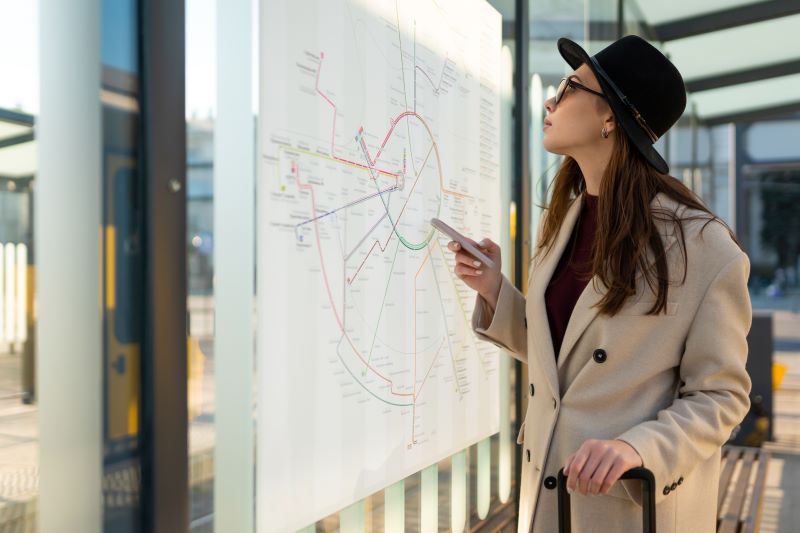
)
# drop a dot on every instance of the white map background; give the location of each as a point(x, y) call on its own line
point(374, 117)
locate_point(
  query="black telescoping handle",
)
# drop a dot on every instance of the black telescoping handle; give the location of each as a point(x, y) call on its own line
point(648, 499)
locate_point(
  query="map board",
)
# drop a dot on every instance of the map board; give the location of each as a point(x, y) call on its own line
point(374, 116)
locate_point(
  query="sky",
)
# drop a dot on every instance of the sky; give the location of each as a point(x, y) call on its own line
point(19, 53)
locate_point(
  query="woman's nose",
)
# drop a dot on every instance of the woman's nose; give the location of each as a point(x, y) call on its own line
point(550, 104)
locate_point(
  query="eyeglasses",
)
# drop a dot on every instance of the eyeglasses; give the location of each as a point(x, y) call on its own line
point(569, 82)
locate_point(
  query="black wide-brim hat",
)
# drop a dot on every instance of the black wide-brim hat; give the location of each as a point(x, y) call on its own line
point(643, 88)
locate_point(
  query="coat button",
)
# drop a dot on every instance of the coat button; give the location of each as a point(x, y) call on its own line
point(666, 490)
point(528, 452)
point(531, 388)
point(550, 482)
point(526, 321)
point(680, 480)
point(599, 355)
point(673, 486)
point(554, 403)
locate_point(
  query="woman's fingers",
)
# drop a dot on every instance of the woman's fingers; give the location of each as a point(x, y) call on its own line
point(600, 475)
point(567, 464)
point(467, 259)
point(586, 480)
point(487, 246)
point(491, 246)
point(463, 270)
point(598, 464)
point(468, 266)
point(463, 257)
point(575, 468)
point(617, 469)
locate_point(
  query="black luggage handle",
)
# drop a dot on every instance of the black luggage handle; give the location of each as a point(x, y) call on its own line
point(648, 499)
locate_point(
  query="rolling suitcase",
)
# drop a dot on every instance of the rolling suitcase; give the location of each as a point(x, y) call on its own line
point(648, 499)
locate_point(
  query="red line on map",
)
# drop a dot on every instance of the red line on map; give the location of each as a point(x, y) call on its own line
point(310, 188)
point(333, 130)
point(433, 361)
point(350, 280)
point(370, 167)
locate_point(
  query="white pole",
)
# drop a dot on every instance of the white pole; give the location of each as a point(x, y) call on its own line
point(234, 212)
point(10, 295)
point(22, 293)
point(3, 318)
point(67, 230)
point(732, 176)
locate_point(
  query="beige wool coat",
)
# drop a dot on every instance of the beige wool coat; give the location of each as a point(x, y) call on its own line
point(673, 386)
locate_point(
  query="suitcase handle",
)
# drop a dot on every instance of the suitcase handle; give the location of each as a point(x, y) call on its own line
point(648, 499)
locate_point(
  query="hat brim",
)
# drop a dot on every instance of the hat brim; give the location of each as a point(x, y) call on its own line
point(576, 56)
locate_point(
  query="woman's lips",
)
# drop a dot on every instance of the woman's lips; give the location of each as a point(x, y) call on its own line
point(547, 124)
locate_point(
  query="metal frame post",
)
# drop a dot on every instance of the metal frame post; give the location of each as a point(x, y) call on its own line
point(165, 483)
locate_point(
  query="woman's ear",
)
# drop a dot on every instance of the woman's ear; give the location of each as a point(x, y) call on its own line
point(610, 123)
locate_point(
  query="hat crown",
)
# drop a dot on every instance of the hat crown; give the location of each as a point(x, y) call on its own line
point(647, 78)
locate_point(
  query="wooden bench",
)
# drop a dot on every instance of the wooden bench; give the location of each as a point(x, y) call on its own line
point(739, 509)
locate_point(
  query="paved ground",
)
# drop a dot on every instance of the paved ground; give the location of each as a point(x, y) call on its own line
point(19, 444)
point(781, 512)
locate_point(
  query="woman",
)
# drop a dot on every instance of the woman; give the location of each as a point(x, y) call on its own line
point(635, 321)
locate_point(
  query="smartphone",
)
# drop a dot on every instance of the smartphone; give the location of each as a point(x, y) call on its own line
point(463, 241)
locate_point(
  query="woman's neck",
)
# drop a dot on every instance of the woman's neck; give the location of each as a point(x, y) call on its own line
point(593, 166)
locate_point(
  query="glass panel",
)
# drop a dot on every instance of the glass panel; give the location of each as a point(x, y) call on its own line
point(371, 513)
point(547, 67)
point(429, 512)
point(502, 445)
point(450, 69)
point(635, 21)
point(551, 160)
point(484, 485)
point(123, 265)
point(19, 103)
point(201, 26)
point(395, 507)
point(458, 491)
point(352, 518)
point(718, 193)
point(19, 61)
point(770, 231)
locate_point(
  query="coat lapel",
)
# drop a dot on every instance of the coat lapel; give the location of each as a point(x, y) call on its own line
point(540, 277)
point(583, 313)
point(585, 310)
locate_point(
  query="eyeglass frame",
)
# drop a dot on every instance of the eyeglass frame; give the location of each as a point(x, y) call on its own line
point(575, 85)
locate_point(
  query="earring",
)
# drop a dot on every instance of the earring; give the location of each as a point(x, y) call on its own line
point(604, 133)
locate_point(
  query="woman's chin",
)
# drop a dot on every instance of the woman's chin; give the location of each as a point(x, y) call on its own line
point(550, 147)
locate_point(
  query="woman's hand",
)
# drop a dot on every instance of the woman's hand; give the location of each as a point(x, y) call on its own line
point(475, 274)
point(598, 464)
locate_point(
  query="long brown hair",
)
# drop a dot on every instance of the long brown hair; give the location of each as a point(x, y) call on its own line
point(625, 223)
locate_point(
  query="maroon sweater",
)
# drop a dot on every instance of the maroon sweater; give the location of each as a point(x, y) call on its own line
point(572, 273)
